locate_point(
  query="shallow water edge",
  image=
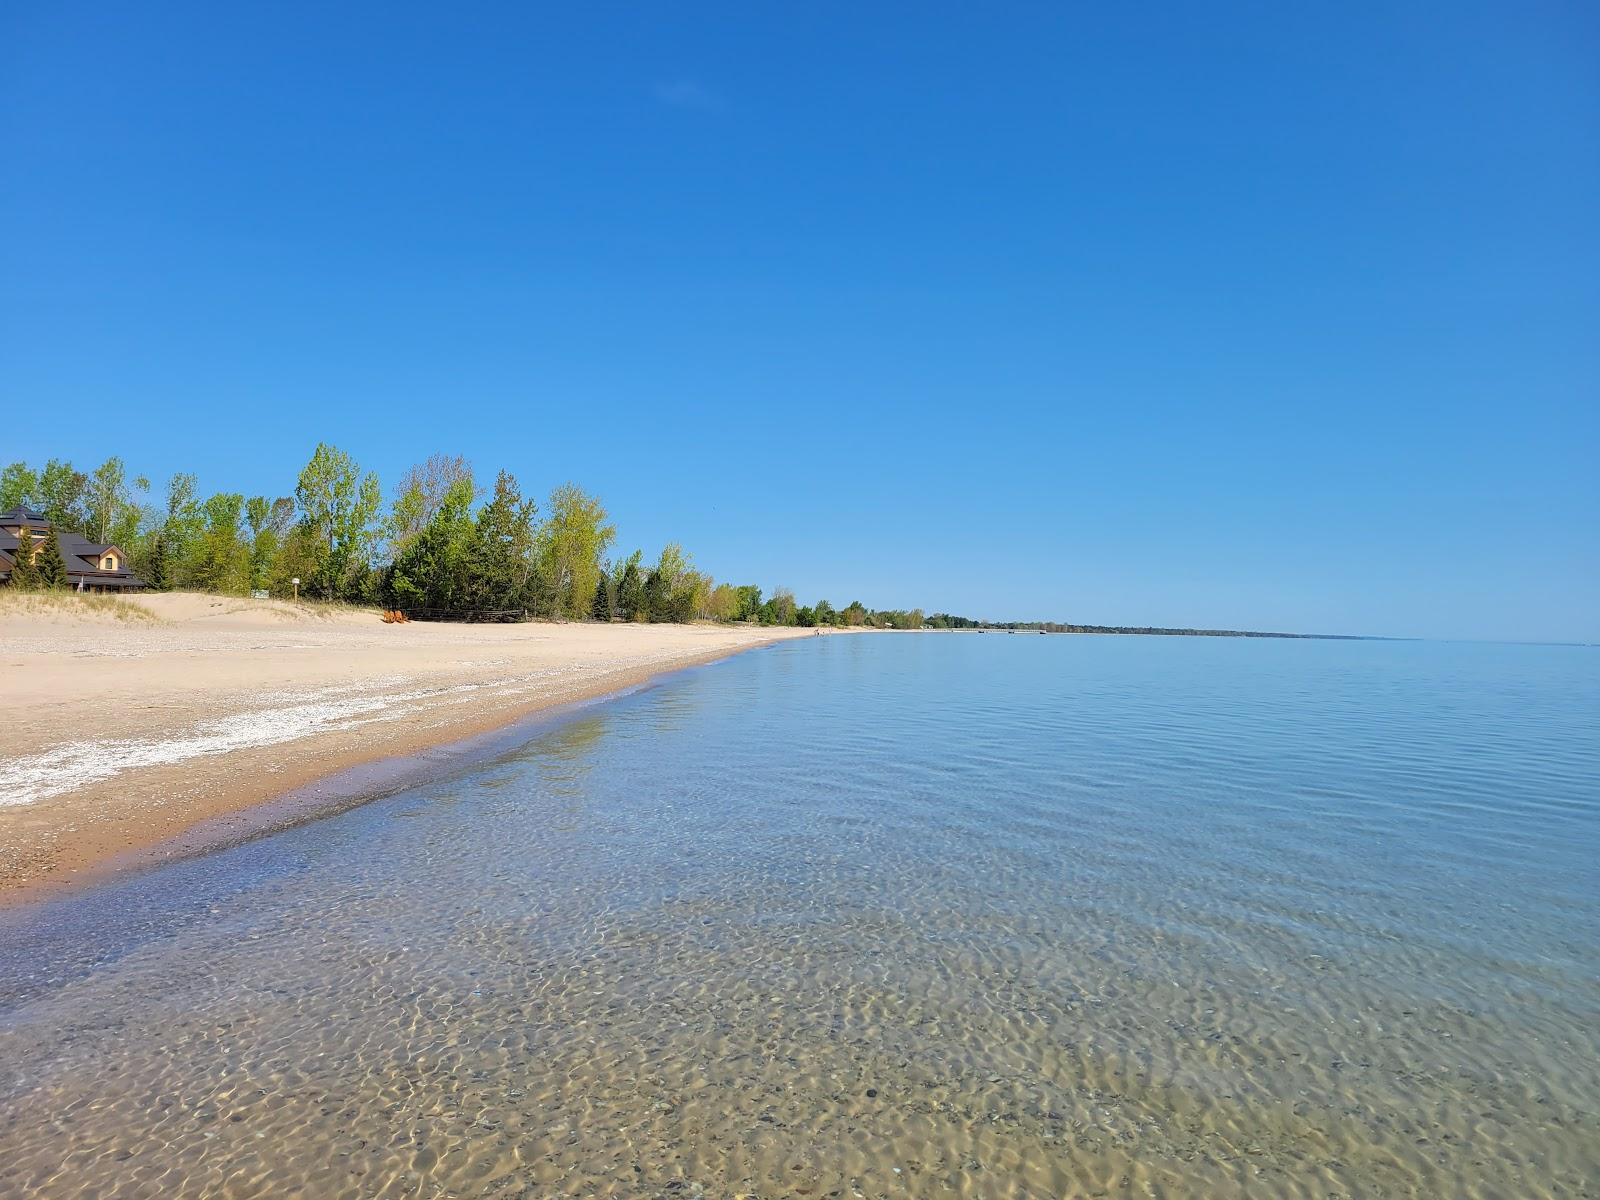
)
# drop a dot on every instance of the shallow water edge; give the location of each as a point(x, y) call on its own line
point(346, 787)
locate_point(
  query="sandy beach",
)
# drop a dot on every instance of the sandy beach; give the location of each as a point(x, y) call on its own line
point(134, 736)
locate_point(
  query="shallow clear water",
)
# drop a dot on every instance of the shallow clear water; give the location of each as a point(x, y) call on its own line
point(977, 915)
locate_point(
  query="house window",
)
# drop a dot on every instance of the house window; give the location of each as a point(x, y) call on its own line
point(108, 563)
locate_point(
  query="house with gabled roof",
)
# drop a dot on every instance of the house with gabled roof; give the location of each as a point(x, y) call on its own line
point(91, 567)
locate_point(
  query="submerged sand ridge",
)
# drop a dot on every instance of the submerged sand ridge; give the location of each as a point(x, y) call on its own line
point(125, 734)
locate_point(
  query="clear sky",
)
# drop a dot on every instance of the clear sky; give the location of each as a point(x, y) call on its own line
point(1261, 316)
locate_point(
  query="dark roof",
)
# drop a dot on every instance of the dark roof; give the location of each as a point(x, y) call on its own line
point(82, 555)
point(23, 515)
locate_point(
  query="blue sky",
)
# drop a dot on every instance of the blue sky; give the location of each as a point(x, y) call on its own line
point(1266, 316)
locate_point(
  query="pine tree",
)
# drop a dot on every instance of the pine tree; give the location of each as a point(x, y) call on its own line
point(605, 602)
point(52, 564)
point(630, 590)
point(157, 572)
point(24, 573)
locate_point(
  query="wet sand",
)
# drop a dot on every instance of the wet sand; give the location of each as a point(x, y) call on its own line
point(138, 740)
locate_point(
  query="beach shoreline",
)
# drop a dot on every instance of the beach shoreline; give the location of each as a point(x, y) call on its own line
point(134, 743)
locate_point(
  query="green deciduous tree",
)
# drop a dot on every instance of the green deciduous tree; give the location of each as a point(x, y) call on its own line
point(780, 610)
point(338, 505)
point(219, 559)
point(267, 521)
point(18, 485)
point(573, 540)
point(723, 603)
point(673, 589)
point(749, 603)
point(182, 522)
point(421, 491)
point(61, 495)
point(296, 559)
point(112, 514)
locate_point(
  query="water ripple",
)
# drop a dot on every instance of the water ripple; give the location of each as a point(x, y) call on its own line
point(882, 916)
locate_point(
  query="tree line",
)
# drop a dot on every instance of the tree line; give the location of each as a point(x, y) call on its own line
point(950, 621)
point(443, 543)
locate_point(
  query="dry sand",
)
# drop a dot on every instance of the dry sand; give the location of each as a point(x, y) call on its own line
point(138, 733)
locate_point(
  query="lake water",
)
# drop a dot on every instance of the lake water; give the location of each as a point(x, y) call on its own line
point(910, 916)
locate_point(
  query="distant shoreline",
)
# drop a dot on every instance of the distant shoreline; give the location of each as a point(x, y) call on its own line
point(1158, 631)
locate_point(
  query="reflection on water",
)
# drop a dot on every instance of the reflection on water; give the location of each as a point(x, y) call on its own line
point(564, 759)
point(879, 916)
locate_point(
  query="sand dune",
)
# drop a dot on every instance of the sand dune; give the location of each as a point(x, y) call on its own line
point(238, 612)
point(132, 726)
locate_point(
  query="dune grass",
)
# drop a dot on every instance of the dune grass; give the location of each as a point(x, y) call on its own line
point(305, 607)
point(18, 603)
